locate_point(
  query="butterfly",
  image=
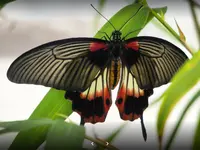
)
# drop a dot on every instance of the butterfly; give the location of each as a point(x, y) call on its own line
point(89, 68)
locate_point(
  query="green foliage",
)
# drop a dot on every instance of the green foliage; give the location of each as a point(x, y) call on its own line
point(51, 105)
point(174, 132)
point(61, 135)
point(4, 2)
point(196, 143)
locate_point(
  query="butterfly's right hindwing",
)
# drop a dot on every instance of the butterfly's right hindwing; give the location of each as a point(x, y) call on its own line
point(64, 64)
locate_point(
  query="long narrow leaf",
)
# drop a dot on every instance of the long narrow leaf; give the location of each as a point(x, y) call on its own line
point(16, 126)
point(174, 132)
point(63, 136)
point(52, 104)
point(196, 143)
point(182, 82)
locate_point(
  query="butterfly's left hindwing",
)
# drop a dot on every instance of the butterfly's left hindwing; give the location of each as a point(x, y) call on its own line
point(131, 100)
point(93, 103)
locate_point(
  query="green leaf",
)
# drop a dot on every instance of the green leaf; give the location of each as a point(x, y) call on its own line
point(174, 132)
point(196, 143)
point(161, 11)
point(114, 135)
point(130, 17)
point(52, 104)
point(179, 87)
point(16, 126)
point(4, 2)
point(134, 19)
point(64, 136)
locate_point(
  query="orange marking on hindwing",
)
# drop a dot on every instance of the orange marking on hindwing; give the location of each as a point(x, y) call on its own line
point(122, 92)
point(82, 95)
point(141, 92)
point(106, 93)
point(99, 93)
point(130, 92)
point(90, 96)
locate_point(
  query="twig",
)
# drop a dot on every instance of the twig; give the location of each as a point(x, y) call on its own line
point(100, 142)
point(196, 4)
point(192, 5)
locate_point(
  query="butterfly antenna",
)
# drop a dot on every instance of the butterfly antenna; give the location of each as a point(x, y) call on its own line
point(103, 16)
point(131, 17)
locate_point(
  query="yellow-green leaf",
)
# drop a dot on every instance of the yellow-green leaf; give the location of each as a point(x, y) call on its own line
point(16, 126)
point(177, 125)
point(65, 136)
point(51, 105)
point(196, 143)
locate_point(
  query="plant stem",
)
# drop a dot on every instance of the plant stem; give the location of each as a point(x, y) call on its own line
point(171, 30)
point(101, 143)
point(192, 4)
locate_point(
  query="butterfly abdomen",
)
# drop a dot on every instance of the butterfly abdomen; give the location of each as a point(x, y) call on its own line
point(114, 73)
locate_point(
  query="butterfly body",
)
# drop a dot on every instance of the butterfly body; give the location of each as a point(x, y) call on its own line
point(115, 69)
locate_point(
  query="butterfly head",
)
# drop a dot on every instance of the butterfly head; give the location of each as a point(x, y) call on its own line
point(116, 36)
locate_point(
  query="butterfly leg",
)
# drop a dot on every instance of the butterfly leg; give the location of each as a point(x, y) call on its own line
point(106, 35)
point(104, 38)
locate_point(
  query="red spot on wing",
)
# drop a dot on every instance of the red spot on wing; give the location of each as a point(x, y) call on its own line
point(122, 92)
point(95, 46)
point(107, 96)
point(121, 98)
point(133, 45)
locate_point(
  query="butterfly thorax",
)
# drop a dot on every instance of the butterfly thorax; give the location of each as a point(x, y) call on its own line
point(116, 44)
point(116, 36)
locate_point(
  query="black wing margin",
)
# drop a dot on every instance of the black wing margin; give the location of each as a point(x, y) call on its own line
point(64, 64)
point(152, 61)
